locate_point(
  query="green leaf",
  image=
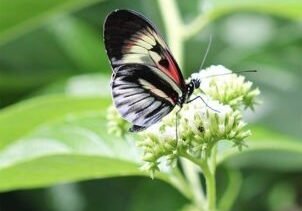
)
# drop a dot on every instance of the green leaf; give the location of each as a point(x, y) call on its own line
point(282, 196)
point(22, 118)
point(69, 150)
point(80, 85)
point(60, 138)
point(53, 139)
point(166, 197)
point(18, 17)
point(10, 83)
point(265, 149)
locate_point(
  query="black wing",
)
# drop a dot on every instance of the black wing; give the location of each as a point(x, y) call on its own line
point(130, 38)
point(146, 81)
point(141, 96)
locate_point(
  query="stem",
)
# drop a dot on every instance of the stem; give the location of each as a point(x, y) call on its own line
point(201, 163)
point(178, 180)
point(208, 166)
point(209, 174)
point(212, 159)
point(211, 187)
point(174, 28)
point(192, 174)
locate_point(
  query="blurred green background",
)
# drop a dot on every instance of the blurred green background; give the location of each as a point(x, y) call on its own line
point(52, 61)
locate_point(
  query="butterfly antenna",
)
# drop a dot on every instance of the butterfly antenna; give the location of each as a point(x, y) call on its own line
point(243, 71)
point(207, 52)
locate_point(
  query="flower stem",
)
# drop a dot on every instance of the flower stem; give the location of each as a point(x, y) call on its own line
point(209, 174)
point(179, 181)
point(211, 187)
point(191, 172)
point(208, 168)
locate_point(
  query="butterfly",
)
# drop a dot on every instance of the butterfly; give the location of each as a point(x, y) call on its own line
point(146, 81)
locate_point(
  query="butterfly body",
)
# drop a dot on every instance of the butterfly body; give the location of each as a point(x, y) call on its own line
point(146, 80)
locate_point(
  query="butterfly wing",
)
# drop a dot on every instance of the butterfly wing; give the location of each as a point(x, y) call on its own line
point(141, 96)
point(131, 38)
point(146, 81)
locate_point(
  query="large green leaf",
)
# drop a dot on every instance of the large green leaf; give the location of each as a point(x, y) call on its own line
point(53, 139)
point(266, 149)
point(22, 118)
point(59, 138)
point(17, 17)
point(74, 149)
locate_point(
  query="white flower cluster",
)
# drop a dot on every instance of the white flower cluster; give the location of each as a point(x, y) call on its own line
point(231, 89)
point(201, 123)
point(201, 126)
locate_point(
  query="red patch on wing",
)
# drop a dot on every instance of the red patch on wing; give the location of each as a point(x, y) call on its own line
point(172, 70)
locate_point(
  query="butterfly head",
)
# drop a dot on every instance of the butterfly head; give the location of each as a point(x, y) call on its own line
point(195, 82)
point(190, 87)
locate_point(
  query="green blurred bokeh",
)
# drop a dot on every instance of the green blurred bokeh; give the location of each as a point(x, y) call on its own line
point(44, 45)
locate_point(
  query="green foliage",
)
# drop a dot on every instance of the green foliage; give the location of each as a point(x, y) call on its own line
point(69, 32)
point(20, 119)
point(267, 149)
point(288, 9)
point(50, 139)
point(21, 16)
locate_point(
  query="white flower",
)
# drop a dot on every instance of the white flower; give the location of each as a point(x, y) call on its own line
point(232, 89)
point(201, 124)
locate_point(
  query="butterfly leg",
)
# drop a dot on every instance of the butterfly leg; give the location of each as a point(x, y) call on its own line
point(199, 97)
